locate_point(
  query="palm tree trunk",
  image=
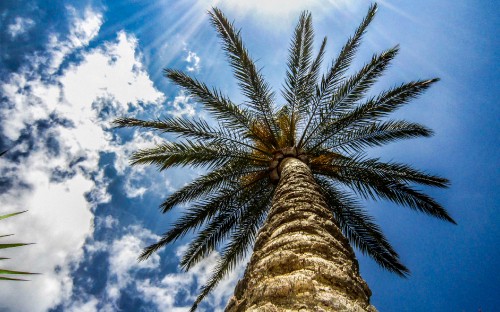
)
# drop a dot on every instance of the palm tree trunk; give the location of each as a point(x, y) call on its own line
point(301, 260)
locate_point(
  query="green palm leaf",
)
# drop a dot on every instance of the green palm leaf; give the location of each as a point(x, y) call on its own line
point(202, 211)
point(226, 219)
point(298, 84)
point(375, 134)
point(251, 81)
point(360, 229)
point(351, 91)
point(4, 272)
point(214, 181)
point(383, 181)
point(195, 154)
point(335, 74)
point(11, 214)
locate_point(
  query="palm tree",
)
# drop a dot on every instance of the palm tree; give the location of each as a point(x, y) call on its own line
point(293, 171)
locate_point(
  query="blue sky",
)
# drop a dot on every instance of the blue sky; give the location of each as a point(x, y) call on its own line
point(67, 69)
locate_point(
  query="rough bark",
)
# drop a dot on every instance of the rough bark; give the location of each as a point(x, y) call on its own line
point(301, 261)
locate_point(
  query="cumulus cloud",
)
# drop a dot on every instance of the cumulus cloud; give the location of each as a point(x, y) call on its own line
point(182, 106)
point(20, 26)
point(58, 127)
point(123, 267)
point(159, 291)
point(178, 291)
point(84, 27)
point(194, 61)
point(123, 262)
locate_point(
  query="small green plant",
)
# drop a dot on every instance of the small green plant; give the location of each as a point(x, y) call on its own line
point(6, 274)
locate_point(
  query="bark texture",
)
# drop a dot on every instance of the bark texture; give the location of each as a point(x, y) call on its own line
point(301, 260)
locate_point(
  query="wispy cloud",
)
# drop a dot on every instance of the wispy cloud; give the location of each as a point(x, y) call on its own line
point(84, 27)
point(193, 60)
point(20, 26)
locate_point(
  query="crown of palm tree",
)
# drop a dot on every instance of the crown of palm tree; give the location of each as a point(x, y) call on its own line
point(327, 122)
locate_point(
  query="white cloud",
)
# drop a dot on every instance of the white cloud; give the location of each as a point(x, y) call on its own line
point(84, 27)
point(179, 285)
point(123, 263)
point(99, 193)
point(95, 247)
point(109, 222)
point(111, 72)
point(60, 171)
point(20, 26)
point(182, 107)
point(170, 292)
point(194, 61)
point(133, 183)
point(58, 221)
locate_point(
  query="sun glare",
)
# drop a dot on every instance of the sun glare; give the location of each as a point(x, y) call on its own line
point(280, 7)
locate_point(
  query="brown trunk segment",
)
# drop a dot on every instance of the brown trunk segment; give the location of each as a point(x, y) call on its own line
point(301, 260)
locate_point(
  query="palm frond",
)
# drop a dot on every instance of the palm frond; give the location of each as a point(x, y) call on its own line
point(335, 74)
point(349, 92)
point(359, 228)
point(11, 245)
point(251, 81)
point(375, 134)
point(296, 89)
point(4, 272)
point(221, 225)
point(376, 182)
point(211, 155)
point(197, 129)
point(310, 81)
point(199, 213)
point(388, 101)
point(11, 214)
point(241, 239)
point(213, 181)
point(356, 86)
point(231, 115)
point(372, 110)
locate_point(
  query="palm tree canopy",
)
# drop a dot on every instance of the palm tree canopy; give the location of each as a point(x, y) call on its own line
point(327, 122)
